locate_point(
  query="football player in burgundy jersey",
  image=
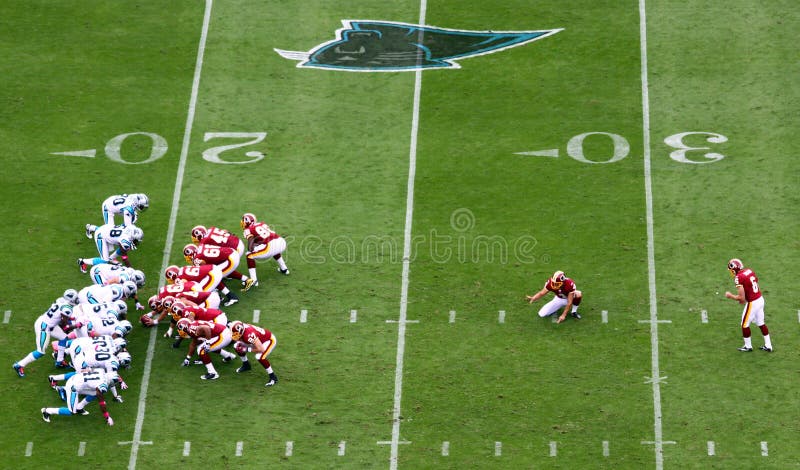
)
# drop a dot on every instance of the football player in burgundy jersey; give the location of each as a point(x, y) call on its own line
point(749, 294)
point(206, 338)
point(217, 237)
point(259, 341)
point(262, 243)
point(567, 297)
point(225, 258)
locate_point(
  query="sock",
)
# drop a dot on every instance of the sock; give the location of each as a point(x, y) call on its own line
point(252, 271)
point(281, 263)
point(748, 342)
point(28, 359)
point(767, 341)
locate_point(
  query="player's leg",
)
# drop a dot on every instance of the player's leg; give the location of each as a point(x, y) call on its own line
point(552, 307)
point(42, 331)
point(262, 359)
point(758, 318)
point(747, 317)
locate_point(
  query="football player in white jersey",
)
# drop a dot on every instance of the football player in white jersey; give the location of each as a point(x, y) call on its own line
point(48, 324)
point(95, 294)
point(105, 274)
point(128, 205)
point(112, 241)
point(91, 385)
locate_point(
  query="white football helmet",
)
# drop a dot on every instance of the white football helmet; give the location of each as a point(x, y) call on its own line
point(119, 344)
point(126, 326)
point(138, 278)
point(124, 359)
point(126, 245)
point(122, 307)
point(71, 296)
point(129, 289)
point(142, 201)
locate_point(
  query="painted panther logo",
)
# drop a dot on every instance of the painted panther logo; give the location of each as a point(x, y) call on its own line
point(387, 46)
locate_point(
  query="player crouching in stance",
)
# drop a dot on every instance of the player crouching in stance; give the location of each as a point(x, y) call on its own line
point(92, 384)
point(749, 294)
point(206, 338)
point(49, 324)
point(567, 296)
point(262, 243)
point(259, 341)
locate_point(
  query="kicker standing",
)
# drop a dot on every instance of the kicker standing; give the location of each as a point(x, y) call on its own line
point(748, 293)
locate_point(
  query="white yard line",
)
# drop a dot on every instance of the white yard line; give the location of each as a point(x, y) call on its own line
point(651, 263)
point(176, 196)
point(401, 323)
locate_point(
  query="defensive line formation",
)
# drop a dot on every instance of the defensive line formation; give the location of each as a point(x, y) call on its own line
point(90, 326)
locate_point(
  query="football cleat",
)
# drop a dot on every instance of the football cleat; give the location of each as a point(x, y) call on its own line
point(745, 349)
point(45, 415)
point(228, 358)
point(246, 285)
point(20, 370)
point(273, 379)
point(231, 300)
point(764, 348)
point(61, 393)
point(53, 383)
point(82, 266)
point(61, 364)
point(210, 376)
point(245, 367)
point(285, 272)
point(81, 412)
point(177, 342)
point(576, 315)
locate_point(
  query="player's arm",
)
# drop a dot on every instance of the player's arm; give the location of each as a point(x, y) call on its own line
point(257, 346)
point(739, 297)
point(190, 352)
point(101, 400)
point(563, 315)
point(533, 298)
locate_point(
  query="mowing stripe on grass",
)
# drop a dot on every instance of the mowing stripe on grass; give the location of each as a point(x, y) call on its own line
point(651, 257)
point(81, 449)
point(176, 196)
point(401, 324)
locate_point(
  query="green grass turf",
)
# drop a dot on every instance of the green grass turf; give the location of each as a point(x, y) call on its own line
point(489, 227)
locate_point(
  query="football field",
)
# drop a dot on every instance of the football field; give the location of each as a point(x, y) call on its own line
point(430, 163)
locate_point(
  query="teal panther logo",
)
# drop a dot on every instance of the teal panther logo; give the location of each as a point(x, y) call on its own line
point(387, 46)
